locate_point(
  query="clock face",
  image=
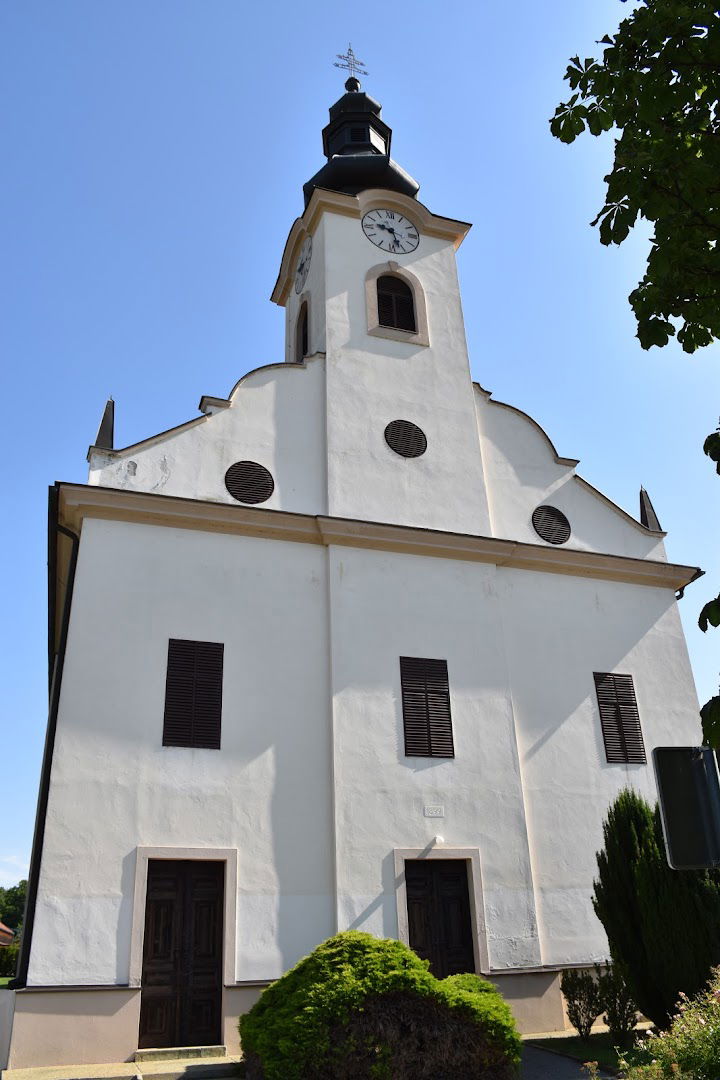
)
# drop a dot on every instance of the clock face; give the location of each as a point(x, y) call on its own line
point(301, 271)
point(390, 231)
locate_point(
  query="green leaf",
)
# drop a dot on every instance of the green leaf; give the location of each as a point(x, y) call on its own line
point(711, 446)
point(710, 716)
point(568, 121)
point(654, 332)
point(710, 614)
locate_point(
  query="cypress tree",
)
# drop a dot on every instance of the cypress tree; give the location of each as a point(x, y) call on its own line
point(663, 925)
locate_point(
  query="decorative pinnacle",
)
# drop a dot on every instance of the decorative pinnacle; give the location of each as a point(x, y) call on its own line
point(351, 63)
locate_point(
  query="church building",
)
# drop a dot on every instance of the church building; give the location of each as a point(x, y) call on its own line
point(353, 648)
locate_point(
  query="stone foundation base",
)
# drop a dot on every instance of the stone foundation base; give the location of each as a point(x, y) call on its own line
point(93, 1026)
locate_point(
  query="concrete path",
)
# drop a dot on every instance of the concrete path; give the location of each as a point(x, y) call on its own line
point(541, 1065)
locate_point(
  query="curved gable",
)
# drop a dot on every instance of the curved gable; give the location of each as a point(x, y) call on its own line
point(523, 470)
point(273, 415)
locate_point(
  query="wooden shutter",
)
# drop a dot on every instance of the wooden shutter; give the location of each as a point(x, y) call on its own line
point(426, 707)
point(193, 694)
point(396, 304)
point(619, 719)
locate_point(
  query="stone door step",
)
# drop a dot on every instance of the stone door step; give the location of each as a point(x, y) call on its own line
point(173, 1053)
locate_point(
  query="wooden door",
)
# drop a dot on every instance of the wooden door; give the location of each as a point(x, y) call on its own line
point(182, 956)
point(439, 914)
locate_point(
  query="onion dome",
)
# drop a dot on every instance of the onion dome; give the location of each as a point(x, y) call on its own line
point(356, 143)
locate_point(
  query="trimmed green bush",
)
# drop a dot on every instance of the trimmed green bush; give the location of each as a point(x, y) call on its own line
point(662, 925)
point(362, 1008)
point(474, 984)
point(691, 1046)
point(582, 995)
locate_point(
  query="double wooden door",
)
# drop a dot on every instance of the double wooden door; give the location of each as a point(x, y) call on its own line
point(181, 997)
point(439, 914)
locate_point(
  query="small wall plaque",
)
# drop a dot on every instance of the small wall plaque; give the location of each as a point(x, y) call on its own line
point(434, 811)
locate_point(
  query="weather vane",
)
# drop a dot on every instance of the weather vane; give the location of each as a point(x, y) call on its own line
point(351, 63)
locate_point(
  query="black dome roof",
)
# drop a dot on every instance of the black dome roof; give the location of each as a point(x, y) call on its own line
point(357, 145)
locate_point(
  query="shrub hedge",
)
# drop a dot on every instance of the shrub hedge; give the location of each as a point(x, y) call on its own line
point(691, 1046)
point(362, 1008)
point(662, 925)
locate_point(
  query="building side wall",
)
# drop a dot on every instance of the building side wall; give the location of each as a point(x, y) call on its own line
point(312, 786)
point(115, 787)
point(558, 631)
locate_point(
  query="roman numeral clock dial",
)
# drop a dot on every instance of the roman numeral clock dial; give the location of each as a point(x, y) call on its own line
point(390, 231)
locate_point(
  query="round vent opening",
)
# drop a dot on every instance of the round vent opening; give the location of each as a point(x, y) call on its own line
point(551, 524)
point(249, 482)
point(405, 438)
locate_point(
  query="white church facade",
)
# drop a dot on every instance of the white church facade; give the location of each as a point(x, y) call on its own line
point(354, 648)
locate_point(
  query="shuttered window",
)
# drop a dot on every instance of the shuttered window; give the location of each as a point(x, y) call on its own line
point(396, 304)
point(193, 694)
point(426, 707)
point(619, 719)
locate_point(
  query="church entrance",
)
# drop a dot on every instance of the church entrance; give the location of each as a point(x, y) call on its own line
point(439, 914)
point(181, 996)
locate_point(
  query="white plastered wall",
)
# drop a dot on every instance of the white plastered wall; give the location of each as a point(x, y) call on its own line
point(523, 472)
point(384, 606)
point(276, 417)
point(372, 380)
point(114, 787)
point(558, 631)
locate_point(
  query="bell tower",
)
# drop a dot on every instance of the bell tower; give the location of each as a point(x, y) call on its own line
point(369, 279)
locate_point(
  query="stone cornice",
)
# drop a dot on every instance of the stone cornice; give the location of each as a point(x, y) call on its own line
point(80, 501)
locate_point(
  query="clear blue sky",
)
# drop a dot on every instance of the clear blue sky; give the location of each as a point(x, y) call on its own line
point(154, 153)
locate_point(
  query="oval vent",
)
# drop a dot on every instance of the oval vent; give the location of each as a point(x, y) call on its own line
point(249, 482)
point(405, 438)
point(551, 524)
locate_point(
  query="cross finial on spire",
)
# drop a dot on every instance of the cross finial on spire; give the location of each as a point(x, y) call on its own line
point(351, 63)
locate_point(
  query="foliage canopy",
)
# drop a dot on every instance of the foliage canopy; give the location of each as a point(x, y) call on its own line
point(12, 905)
point(658, 83)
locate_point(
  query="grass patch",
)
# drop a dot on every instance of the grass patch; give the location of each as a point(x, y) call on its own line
point(4, 981)
point(598, 1048)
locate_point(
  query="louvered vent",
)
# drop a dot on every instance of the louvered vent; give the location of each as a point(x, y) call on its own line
point(426, 707)
point(405, 438)
point(551, 524)
point(396, 304)
point(619, 719)
point(249, 482)
point(193, 694)
point(358, 134)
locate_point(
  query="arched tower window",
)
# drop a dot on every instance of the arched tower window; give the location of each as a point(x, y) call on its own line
point(301, 335)
point(395, 304)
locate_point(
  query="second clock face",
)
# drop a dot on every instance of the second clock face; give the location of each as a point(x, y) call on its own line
point(303, 265)
point(390, 231)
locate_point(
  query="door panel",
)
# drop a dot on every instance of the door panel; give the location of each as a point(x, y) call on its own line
point(182, 958)
point(439, 914)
